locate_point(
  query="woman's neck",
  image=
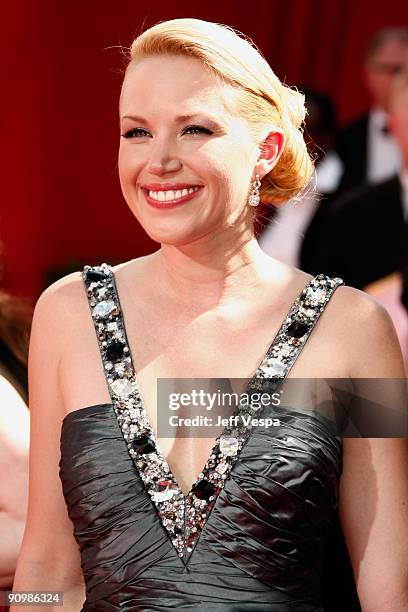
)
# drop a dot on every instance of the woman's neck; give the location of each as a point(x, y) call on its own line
point(204, 278)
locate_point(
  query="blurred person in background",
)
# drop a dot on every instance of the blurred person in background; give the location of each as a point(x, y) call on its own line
point(363, 235)
point(15, 318)
point(367, 147)
point(285, 231)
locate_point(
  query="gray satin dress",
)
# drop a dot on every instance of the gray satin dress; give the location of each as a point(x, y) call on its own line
point(251, 533)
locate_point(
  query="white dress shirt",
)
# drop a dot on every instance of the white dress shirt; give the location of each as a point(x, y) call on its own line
point(383, 154)
point(283, 238)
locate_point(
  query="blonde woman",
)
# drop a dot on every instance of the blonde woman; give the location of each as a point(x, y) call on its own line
point(126, 520)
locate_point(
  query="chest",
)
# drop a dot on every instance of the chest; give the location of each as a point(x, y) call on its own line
point(228, 346)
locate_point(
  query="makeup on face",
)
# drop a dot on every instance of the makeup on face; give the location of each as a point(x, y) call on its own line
point(169, 195)
point(184, 148)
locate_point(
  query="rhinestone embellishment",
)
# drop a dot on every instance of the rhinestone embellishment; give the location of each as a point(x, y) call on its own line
point(184, 517)
point(104, 308)
point(122, 387)
point(228, 446)
point(297, 327)
point(166, 490)
point(316, 295)
point(274, 367)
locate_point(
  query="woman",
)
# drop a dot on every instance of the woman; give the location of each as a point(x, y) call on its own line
point(206, 127)
point(14, 432)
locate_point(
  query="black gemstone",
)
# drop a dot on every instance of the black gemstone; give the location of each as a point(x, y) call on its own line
point(114, 351)
point(93, 276)
point(297, 329)
point(178, 530)
point(143, 445)
point(203, 489)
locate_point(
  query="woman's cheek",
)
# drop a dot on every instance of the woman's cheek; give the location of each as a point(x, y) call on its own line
point(128, 166)
point(127, 182)
point(213, 164)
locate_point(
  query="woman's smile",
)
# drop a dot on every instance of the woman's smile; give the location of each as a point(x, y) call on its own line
point(169, 195)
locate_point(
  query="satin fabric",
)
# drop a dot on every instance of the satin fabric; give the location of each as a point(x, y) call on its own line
point(262, 547)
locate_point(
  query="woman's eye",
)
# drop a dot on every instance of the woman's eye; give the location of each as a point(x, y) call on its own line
point(197, 129)
point(135, 132)
point(140, 132)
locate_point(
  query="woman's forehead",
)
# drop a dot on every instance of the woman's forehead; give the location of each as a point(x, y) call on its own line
point(168, 64)
point(182, 81)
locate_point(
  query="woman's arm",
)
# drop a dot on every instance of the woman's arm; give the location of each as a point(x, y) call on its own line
point(374, 484)
point(14, 442)
point(49, 558)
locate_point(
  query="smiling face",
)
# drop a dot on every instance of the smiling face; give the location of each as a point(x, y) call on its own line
point(186, 157)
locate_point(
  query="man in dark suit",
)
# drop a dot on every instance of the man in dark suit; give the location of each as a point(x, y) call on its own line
point(366, 147)
point(359, 236)
point(404, 270)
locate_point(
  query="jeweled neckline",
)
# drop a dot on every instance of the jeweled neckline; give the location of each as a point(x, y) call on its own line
point(185, 516)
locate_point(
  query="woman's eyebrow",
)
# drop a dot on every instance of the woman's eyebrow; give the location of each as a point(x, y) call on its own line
point(179, 119)
point(135, 118)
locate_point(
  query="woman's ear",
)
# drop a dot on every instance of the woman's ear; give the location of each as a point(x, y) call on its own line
point(271, 149)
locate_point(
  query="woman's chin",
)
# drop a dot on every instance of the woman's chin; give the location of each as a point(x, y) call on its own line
point(174, 238)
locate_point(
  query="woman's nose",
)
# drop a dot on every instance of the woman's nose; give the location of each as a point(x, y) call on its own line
point(163, 160)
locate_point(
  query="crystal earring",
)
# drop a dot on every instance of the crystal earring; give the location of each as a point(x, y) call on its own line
point(254, 198)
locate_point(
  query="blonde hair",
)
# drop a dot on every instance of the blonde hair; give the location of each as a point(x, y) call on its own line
point(265, 101)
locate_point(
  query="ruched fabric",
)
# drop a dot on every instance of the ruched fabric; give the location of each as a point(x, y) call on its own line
point(261, 548)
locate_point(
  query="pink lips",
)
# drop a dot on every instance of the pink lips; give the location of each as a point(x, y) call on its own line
point(169, 187)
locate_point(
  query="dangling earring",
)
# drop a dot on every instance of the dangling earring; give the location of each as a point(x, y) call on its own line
point(254, 198)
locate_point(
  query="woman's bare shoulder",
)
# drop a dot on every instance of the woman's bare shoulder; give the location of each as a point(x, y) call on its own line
point(359, 310)
point(68, 292)
point(63, 288)
point(57, 315)
point(61, 299)
point(65, 301)
point(367, 334)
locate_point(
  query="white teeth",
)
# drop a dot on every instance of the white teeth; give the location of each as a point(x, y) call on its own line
point(166, 196)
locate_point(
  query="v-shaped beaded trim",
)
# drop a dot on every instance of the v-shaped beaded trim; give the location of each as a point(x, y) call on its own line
point(184, 517)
